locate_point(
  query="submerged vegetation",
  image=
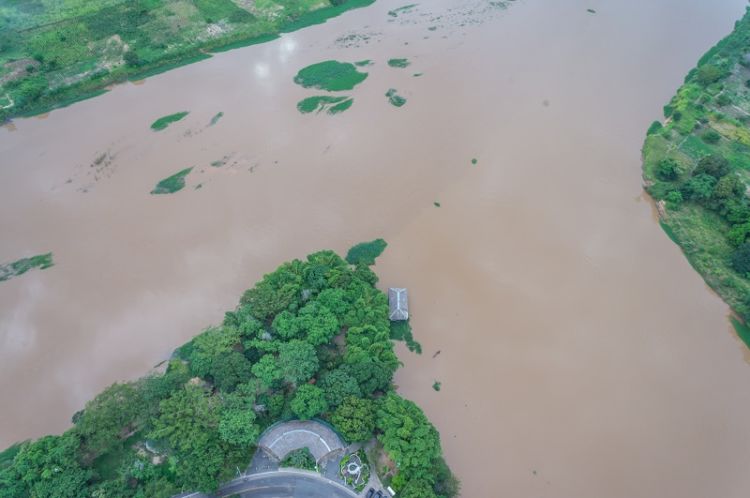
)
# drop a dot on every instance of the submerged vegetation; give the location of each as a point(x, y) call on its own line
point(401, 10)
point(55, 53)
point(311, 339)
point(697, 167)
point(330, 104)
point(394, 98)
point(332, 76)
point(216, 118)
point(401, 331)
point(21, 266)
point(163, 122)
point(172, 184)
point(365, 253)
point(400, 63)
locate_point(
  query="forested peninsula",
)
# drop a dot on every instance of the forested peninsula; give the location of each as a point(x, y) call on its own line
point(696, 165)
point(56, 52)
point(310, 340)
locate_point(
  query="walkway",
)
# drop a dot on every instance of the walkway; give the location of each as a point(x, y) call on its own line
point(289, 436)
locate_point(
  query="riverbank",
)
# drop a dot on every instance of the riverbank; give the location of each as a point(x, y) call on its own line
point(696, 166)
point(53, 56)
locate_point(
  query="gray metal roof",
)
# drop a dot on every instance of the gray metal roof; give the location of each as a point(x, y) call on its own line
point(398, 301)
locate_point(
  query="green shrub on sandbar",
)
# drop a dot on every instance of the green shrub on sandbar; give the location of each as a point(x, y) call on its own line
point(330, 75)
point(394, 98)
point(400, 63)
point(163, 122)
point(366, 252)
point(332, 105)
point(21, 266)
point(172, 184)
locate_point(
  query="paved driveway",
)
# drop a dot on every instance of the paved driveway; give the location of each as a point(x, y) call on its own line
point(283, 438)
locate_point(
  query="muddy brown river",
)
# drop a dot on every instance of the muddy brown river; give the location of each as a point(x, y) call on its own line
point(580, 355)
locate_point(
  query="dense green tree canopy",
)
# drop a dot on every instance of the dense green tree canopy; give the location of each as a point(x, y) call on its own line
point(355, 418)
point(298, 361)
point(308, 402)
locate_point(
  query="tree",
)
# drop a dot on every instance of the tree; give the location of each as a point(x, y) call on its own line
point(407, 436)
point(699, 188)
point(110, 416)
point(738, 234)
point(49, 468)
point(318, 323)
point(741, 259)
point(355, 419)
point(333, 299)
point(230, 369)
point(308, 402)
point(371, 375)
point(338, 385)
point(446, 485)
point(729, 186)
point(297, 361)
point(276, 291)
point(708, 73)
point(155, 388)
point(668, 169)
point(417, 488)
point(131, 58)
point(188, 420)
point(267, 370)
point(714, 165)
point(209, 345)
point(287, 326)
point(238, 427)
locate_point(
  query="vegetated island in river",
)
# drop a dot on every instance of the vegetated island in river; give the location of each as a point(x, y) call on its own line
point(55, 53)
point(310, 340)
point(696, 165)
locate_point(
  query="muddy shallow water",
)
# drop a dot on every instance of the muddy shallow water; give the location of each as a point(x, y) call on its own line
point(580, 355)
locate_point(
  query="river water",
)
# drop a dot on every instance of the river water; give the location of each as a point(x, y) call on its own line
point(579, 354)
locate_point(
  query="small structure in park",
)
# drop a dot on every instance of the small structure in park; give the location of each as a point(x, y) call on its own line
point(398, 301)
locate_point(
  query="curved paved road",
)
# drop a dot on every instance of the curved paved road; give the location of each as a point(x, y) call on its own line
point(288, 436)
point(281, 484)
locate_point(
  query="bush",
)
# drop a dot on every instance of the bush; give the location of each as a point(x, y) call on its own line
point(711, 137)
point(668, 169)
point(741, 259)
point(674, 199)
point(713, 165)
point(300, 459)
point(655, 127)
point(708, 73)
point(723, 100)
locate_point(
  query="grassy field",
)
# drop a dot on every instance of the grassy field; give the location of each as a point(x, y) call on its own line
point(696, 165)
point(56, 52)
